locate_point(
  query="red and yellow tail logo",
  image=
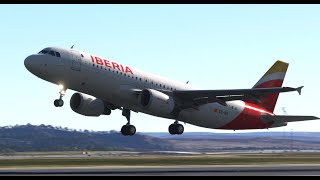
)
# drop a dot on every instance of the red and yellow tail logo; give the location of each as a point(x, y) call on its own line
point(272, 78)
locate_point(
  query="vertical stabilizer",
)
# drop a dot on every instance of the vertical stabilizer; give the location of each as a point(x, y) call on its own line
point(272, 78)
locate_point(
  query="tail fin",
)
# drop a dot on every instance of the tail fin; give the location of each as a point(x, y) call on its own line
point(272, 78)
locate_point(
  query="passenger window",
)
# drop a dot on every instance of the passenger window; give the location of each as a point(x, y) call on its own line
point(51, 53)
point(58, 54)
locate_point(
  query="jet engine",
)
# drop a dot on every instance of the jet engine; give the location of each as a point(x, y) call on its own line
point(156, 102)
point(88, 105)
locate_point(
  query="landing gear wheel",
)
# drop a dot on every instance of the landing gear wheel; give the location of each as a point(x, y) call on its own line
point(171, 129)
point(131, 130)
point(124, 130)
point(176, 128)
point(128, 130)
point(58, 102)
point(179, 128)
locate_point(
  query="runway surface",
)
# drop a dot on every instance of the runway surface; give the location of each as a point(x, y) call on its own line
point(269, 170)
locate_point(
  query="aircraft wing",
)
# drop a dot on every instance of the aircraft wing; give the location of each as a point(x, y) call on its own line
point(285, 118)
point(193, 98)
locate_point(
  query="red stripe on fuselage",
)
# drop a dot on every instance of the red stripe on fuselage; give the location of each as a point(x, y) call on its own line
point(249, 118)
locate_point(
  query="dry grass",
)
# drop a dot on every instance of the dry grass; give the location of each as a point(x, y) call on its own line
point(261, 159)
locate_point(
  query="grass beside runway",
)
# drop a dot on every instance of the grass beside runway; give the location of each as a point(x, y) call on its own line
point(261, 159)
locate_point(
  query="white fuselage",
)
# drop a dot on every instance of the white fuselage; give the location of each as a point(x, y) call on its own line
point(114, 83)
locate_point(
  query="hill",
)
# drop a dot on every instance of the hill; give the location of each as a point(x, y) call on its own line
point(48, 138)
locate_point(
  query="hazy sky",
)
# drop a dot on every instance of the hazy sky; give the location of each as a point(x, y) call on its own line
point(212, 46)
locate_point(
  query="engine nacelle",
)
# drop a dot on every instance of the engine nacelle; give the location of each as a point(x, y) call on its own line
point(87, 105)
point(156, 102)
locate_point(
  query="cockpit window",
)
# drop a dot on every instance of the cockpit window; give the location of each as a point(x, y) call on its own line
point(45, 51)
point(52, 53)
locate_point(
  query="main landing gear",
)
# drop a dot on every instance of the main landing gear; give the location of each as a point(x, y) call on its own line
point(176, 128)
point(59, 102)
point(128, 129)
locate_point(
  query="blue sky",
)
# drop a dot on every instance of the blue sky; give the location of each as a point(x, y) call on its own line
point(212, 46)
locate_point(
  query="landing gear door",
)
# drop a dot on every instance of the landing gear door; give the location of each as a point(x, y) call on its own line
point(76, 61)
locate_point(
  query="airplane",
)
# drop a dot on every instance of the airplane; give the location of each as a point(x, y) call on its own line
point(103, 85)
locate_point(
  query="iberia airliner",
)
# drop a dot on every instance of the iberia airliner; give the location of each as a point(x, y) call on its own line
point(104, 85)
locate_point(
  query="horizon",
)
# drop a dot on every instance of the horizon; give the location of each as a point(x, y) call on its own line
point(118, 131)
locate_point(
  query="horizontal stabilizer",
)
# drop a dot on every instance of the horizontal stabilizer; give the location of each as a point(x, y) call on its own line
point(191, 94)
point(199, 97)
point(285, 118)
point(299, 89)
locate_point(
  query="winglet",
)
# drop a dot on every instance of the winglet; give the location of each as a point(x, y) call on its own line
point(299, 89)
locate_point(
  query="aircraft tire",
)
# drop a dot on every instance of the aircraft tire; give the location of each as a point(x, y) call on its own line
point(172, 129)
point(179, 128)
point(60, 102)
point(128, 130)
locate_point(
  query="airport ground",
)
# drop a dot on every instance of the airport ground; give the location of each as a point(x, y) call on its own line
point(160, 163)
point(166, 158)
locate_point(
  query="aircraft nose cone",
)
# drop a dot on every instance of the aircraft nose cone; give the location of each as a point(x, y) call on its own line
point(28, 63)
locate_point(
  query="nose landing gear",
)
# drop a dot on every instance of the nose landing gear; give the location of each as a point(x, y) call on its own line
point(59, 102)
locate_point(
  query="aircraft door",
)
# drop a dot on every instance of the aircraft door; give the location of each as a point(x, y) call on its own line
point(76, 61)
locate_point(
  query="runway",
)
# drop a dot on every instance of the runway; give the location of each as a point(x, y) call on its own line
point(268, 170)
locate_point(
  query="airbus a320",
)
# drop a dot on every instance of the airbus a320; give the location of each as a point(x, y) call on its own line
point(104, 85)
